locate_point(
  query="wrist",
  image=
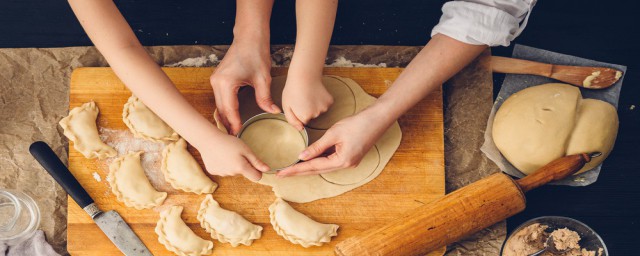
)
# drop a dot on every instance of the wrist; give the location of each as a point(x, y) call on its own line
point(305, 71)
point(380, 112)
point(209, 137)
point(251, 34)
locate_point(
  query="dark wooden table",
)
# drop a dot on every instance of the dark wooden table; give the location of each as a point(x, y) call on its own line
point(600, 30)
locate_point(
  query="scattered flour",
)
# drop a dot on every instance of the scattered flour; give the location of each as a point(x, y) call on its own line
point(343, 62)
point(124, 142)
point(96, 176)
point(197, 61)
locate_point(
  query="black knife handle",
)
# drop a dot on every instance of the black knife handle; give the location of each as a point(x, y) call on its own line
point(50, 161)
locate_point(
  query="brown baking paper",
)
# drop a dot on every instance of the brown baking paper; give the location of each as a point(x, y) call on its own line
point(34, 92)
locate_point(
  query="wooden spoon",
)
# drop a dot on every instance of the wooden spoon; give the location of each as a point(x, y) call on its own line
point(587, 77)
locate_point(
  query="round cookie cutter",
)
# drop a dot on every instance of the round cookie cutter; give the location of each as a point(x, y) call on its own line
point(280, 117)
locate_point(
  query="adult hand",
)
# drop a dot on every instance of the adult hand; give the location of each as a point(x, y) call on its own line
point(351, 138)
point(304, 99)
point(246, 63)
point(226, 155)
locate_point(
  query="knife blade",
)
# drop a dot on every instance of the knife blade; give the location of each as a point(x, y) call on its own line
point(110, 222)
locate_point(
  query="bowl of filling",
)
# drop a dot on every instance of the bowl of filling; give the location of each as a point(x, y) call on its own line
point(571, 236)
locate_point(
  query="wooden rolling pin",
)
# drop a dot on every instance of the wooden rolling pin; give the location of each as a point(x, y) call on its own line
point(458, 214)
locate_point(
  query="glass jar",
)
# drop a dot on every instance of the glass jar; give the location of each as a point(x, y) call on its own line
point(19, 216)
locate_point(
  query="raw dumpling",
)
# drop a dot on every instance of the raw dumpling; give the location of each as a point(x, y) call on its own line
point(176, 236)
point(297, 227)
point(80, 127)
point(145, 124)
point(182, 171)
point(226, 226)
point(130, 185)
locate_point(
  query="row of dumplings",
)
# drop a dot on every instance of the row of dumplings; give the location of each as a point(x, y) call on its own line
point(131, 186)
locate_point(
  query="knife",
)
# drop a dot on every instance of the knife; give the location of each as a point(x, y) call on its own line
point(109, 222)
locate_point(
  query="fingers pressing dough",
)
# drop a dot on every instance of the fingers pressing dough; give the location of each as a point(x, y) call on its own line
point(130, 185)
point(226, 226)
point(145, 124)
point(80, 127)
point(350, 176)
point(297, 227)
point(302, 189)
point(182, 171)
point(176, 236)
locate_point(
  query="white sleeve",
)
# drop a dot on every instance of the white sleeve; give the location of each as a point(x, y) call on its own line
point(488, 22)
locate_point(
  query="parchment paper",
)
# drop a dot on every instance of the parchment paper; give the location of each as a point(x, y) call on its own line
point(514, 83)
point(467, 105)
point(34, 92)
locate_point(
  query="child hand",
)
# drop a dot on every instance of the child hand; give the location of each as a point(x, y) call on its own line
point(246, 63)
point(304, 99)
point(227, 155)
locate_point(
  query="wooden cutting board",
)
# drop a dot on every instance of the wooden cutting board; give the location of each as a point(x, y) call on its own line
point(413, 177)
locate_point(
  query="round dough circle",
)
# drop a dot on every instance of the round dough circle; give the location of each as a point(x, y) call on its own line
point(350, 176)
point(275, 142)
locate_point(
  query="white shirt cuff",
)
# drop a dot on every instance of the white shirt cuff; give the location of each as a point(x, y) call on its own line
point(479, 24)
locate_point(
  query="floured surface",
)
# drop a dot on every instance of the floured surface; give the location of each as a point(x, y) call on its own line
point(413, 176)
point(349, 98)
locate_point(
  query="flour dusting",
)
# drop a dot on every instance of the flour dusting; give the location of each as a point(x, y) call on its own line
point(96, 176)
point(343, 62)
point(197, 61)
point(124, 142)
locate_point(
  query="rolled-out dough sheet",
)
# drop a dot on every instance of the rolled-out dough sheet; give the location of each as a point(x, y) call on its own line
point(349, 98)
point(266, 135)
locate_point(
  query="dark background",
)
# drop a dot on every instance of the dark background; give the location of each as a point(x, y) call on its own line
point(601, 30)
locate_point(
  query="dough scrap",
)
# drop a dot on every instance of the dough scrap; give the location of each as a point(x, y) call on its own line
point(145, 124)
point(226, 226)
point(177, 237)
point(182, 171)
point(130, 185)
point(299, 228)
point(80, 127)
point(303, 189)
point(542, 123)
point(277, 151)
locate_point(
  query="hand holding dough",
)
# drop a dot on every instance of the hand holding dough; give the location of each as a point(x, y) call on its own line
point(80, 127)
point(297, 227)
point(542, 123)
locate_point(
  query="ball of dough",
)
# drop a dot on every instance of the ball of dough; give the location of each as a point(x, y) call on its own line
point(542, 123)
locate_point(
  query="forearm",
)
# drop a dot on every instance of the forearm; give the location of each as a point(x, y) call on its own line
point(252, 21)
point(438, 61)
point(114, 39)
point(315, 20)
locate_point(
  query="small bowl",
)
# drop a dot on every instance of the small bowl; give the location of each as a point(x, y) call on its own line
point(280, 117)
point(589, 239)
